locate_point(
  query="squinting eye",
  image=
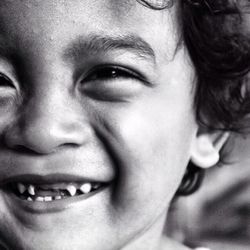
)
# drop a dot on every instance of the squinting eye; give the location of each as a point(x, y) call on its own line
point(5, 81)
point(109, 73)
point(7, 92)
point(112, 83)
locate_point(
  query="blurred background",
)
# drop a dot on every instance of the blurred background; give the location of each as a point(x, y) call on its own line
point(218, 215)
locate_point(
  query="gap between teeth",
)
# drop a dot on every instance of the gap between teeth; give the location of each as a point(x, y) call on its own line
point(72, 189)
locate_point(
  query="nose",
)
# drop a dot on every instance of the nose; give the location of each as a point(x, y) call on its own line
point(47, 123)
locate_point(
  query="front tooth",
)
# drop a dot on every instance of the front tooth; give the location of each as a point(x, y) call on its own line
point(86, 188)
point(47, 198)
point(58, 197)
point(39, 198)
point(96, 185)
point(71, 189)
point(21, 188)
point(31, 190)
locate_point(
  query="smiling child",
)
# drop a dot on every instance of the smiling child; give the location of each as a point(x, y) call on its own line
point(105, 105)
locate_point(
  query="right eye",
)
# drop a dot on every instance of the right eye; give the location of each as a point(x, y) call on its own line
point(7, 91)
point(5, 81)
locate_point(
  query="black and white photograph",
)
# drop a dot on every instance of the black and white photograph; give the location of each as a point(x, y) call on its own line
point(124, 125)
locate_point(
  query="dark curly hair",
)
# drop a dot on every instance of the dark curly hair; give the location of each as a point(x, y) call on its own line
point(219, 47)
point(220, 51)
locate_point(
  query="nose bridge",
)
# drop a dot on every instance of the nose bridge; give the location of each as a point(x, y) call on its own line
point(50, 118)
point(47, 111)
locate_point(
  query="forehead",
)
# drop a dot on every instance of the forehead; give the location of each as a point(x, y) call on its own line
point(108, 11)
point(47, 13)
point(44, 23)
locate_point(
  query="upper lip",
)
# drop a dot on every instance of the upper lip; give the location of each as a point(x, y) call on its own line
point(55, 170)
point(48, 179)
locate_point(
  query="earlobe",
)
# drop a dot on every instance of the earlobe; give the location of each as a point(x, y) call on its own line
point(205, 151)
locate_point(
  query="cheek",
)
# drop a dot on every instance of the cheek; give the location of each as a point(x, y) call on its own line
point(153, 138)
point(159, 146)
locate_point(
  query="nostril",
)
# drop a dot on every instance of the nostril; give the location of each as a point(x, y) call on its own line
point(29, 151)
point(46, 136)
point(24, 150)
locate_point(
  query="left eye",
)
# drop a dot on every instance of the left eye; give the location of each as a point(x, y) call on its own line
point(110, 73)
point(5, 81)
point(112, 83)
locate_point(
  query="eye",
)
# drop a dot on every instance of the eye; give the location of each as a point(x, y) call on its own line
point(5, 81)
point(7, 92)
point(113, 83)
point(111, 73)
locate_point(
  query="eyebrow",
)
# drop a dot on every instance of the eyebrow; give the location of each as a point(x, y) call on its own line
point(96, 44)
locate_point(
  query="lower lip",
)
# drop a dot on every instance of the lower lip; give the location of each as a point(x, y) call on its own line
point(54, 206)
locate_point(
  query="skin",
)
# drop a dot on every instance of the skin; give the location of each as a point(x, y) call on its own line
point(58, 115)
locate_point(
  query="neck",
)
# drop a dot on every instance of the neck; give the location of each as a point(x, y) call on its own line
point(154, 238)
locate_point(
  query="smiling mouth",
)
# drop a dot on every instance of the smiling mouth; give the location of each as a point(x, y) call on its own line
point(51, 192)
point(51, 188)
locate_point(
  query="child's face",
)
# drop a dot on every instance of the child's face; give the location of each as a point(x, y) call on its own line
point(94, 94)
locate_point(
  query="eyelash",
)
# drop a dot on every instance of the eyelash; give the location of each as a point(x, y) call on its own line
point(112, 72)
point(112, 83)
point(5, 81)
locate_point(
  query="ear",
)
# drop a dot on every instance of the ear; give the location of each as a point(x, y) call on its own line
point(205, 150)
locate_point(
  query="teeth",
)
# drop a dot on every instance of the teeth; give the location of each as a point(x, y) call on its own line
point(71, 189)
point(34, 194)
point(31, 190)
point(86, 188)
point(47, 198)
point(96, 185)
point(21, 188)
point(39, 198)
